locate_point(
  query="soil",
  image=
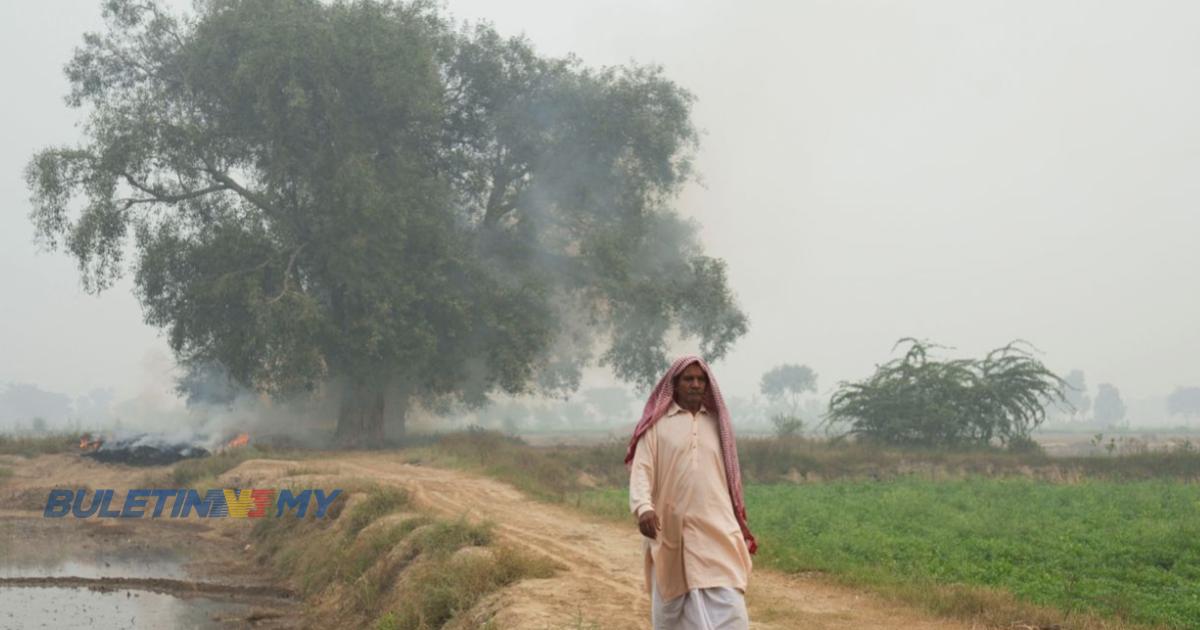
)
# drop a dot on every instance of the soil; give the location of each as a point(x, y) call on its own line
point(600, 586)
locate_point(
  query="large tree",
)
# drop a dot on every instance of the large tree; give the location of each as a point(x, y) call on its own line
point(366, 196)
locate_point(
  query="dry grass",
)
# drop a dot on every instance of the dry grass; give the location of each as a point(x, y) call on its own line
point(203, 471)
point(32, 446)
point(419, 572)
point(436, 589)
point(379, 502)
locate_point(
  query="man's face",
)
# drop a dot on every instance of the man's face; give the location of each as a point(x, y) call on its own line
point(690, 386)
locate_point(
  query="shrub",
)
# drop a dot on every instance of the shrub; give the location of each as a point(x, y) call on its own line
point(917, 401)
point(786, 425)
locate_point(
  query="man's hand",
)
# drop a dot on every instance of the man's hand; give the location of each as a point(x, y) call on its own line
point(648, 523)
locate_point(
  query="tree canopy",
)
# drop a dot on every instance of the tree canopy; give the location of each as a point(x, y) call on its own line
point(916, 400)
point(787, 382)
point(1109, 408)
point(368, 195)
point(1184, 401)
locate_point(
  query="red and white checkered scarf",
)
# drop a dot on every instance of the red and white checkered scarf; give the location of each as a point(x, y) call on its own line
point(656, 407)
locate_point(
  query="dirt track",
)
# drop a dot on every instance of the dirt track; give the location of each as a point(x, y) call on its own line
point(602, 586)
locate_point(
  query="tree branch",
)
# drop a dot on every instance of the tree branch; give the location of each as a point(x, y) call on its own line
point(497, 206)
point(242, 191)
point(287, 274)
point(158, 195)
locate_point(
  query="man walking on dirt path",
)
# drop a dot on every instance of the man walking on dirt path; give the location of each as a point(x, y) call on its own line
point(685, 487)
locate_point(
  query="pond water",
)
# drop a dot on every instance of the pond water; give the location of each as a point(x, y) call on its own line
point(56, 606)
point(70, 608)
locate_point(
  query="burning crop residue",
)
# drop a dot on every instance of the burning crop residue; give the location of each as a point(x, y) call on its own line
point(150, 449)
point(142, 449)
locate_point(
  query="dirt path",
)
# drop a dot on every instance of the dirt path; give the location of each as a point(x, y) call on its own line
point(602, 585)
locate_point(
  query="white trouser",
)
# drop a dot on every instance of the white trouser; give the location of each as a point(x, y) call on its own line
point(717, 608)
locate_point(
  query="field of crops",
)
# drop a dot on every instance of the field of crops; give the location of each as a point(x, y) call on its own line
point(1127, 550)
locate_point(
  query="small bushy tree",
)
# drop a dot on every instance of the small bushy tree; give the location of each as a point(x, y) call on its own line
point(916, 400)
point(785, 384)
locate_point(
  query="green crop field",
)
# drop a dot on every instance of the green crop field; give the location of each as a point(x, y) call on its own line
point(1125, 550)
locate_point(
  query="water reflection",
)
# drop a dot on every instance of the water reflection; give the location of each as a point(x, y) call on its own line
point(116, 563)
point(70, 608)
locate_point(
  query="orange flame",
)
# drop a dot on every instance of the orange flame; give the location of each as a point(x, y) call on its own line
point(242, 439)
point(86, 443)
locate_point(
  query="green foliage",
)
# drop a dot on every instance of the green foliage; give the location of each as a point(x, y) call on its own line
point(959, 547)
point(1117, 549)
point(365, 192)
point(915, 400)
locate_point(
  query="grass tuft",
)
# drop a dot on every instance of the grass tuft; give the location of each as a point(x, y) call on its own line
point(436, 590)
point(380, 501)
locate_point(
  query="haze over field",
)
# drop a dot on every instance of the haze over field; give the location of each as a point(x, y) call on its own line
point(964, 173)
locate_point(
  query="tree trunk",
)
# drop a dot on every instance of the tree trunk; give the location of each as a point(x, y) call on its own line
point(360, 415)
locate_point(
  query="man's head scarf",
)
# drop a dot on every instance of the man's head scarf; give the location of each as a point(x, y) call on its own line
point(657, 406)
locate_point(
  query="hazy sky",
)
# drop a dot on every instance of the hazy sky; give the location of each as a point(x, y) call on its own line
point(966, 172)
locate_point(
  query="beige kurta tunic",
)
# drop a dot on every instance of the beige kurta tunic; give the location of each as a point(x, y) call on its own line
point(679, 472)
